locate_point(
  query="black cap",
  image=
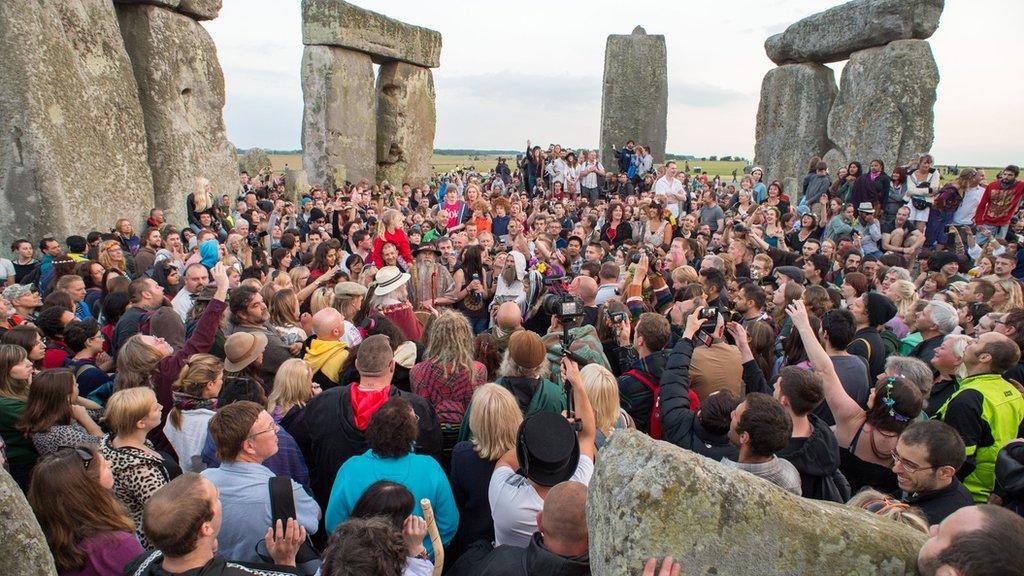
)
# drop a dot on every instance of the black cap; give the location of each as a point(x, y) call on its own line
point(547, 448)
point(880, 309)
point(794, 273)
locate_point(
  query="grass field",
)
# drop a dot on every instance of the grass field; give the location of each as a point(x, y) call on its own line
point(448, 163)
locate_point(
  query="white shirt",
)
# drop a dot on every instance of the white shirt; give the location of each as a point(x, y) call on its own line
point(666, 186)
point(189, 441)
point(964, 215)
point(590, 180)
point(6, 270)
point(556, 170)
point(182, 303)
point(515, 503)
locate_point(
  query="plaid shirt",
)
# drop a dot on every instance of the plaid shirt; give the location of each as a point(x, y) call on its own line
point(449, 392)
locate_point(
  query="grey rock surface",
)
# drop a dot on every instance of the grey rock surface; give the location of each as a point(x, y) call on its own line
point(339, 136)
point(254, 160)
point(200, 9)
point(181, 88)
point(634, 97)
point(72, 139)
point(885, 105)
point(406, 118)
point(834, 34)
point(652, 499)
point(792, 121)
point(339, 23)
point(23, 548)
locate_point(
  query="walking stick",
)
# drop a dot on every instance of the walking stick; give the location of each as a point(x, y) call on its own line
point(435, 536)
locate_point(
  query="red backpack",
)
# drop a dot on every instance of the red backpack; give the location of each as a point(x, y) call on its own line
point(647, 379)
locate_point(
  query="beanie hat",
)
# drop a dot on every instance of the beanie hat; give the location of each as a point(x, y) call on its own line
point(526, 349)
point(880, 309)
point(209, 253)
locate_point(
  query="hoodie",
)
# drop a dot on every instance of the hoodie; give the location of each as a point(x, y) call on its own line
point(817, 459)
point(534, 559)
point(585, 343)
point(326, 359)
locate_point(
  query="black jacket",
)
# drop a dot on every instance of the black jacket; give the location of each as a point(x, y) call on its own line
point(869, 345)
point(534, 560)
point(635, 397)
point(623, 232)
point(150, 563)
point(937, 504)
point(333, 438)
point(817, 459)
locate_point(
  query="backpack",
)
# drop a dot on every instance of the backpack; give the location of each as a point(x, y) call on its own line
point(648, 380)
point(891, 341)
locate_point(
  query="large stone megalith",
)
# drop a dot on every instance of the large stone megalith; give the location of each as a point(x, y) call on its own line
point(792, 121)
point(653, 499)
point(405, 123)
point(634, 100)
point(72, 138)
point(876, 117)
point(339, 118)
point(181, 88)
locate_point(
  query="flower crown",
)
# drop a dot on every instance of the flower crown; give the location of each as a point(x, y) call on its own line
point(890, 403)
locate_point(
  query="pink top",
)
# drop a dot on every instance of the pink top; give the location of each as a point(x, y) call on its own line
point(107, 554)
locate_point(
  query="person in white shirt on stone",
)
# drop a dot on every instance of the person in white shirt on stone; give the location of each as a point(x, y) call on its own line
point(589, 171)
point(669, 191)
point(196, 276)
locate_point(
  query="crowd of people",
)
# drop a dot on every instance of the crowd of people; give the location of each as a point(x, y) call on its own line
point(398, 379)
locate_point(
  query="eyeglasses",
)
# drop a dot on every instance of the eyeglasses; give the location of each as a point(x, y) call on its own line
point(85, 455)
point(910, 466)
point(273, 428)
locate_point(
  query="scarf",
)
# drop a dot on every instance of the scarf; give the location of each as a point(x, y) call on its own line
point(366, 402)
point(185, 402)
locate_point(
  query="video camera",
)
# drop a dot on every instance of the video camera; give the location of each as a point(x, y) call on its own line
point(558, 302)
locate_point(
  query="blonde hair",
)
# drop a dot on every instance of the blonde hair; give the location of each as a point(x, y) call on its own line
point(879, 504)
point(296, 274)
point(390, 216)
point(201, 199)
point(494, 418)
point(603, 391)
point(195, 376)
point(126, 407)
point(1014, 297)
point(136, 363)
point(283, 307)
point(450, 344)
point(958, 344)
point(906, 294)
point(323, 297)
point(292, 386)
point(104, 258)
point(684, 274)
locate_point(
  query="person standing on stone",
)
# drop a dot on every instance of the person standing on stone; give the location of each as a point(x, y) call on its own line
point(625, 156)
point(669, 191)
point(1000, 202)
point(871, 187)
point(589, 171)
point(533, 166)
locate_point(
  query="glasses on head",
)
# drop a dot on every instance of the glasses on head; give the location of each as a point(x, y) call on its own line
point(86, 457)
point(273, 428)
point(910, 466)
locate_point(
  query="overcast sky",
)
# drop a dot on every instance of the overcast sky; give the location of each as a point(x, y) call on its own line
point(532, 69)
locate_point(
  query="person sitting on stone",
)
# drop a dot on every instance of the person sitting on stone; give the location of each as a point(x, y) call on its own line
point(326, 352)
point(926, 460)
point(183, 520)
point(982, 540)
point(559, 546)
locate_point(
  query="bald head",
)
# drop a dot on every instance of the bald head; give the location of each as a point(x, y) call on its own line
point(508, 316)
point(328, 324)
point(584, 288)
point(563, 521)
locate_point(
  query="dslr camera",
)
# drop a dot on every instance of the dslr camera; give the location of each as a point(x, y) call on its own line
point(558, 302)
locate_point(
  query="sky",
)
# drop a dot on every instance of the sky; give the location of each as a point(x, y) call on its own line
point(512, 71)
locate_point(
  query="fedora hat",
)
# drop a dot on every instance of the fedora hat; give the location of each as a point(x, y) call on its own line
point(241, 348)
point(389, 278)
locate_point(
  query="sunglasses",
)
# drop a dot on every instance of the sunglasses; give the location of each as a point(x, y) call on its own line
point(86, 457)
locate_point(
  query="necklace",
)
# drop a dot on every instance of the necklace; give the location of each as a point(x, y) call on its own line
point(874, 449)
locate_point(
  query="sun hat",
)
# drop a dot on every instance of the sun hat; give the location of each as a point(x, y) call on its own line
point(241, 348)
point(526, 349)
point(547, 448)
point(389, 278)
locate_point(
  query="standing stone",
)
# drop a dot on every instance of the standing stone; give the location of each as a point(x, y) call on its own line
point(72, 140)
point(834, 34)
point(338, 23)
point(181, 88)
point(23, 548)
point(652, 499)
point(405, 123)
point(634, 101)
point(339, 116)
point(295, 184)
point(885, 105)
point(792, 121)
point(197, 9)
point(254, 160)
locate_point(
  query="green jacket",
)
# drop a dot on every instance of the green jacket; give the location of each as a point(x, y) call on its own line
point(549, 397)
point(987, 411)
point(585, 343)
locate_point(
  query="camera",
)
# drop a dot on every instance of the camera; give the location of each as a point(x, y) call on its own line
point(651, 255)
point(617, 317)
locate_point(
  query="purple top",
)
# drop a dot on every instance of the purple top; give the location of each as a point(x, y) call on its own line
point(107, 554)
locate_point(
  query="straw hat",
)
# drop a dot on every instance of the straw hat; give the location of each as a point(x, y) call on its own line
point(389, 278)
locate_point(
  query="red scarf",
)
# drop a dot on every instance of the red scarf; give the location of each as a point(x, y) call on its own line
point(366, 402)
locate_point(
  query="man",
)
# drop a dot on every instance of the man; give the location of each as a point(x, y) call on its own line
point(24, 300)
point(812, 449)
point(926, 459)
point(156, 219)
point(978, 290)
point(1000, 201)
point(326, 352)
point(711, 214)
point(837, 329)
point(336, 420)
point(668, 190)
point(508, 319)
point(625, 156)
point(560, 544)
point(74, 286)
point(152, 241)
point(249, 314)
point(750, 303)
point(870, 311)
point(816, 267)
point(609, 283)
point(585, 288)
point(1005, 263)
point(867, 230)
point(245, 435)
point(594, 253)
point(574, 255)
point(986, 410)
point(77, 248)
point(144, 297)
point(816, 185)
point(718, 366)
point(589, 171)
point(760, 427)
point(547, 453)
point(183, 521)
point(641, 364)
point(934, 322)
point(434, 284)
point(975, 541)
point(712, 280)
point(196, 276)
point(363, 245)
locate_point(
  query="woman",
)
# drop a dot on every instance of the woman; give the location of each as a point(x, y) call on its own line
point(166, 274)
point(92, 274)
point(947, 201)
point(922, 184)
point(885, 506)
point(474, 287)
point(948, 361)
point(388, 297)
point(111, 257)
point(895, 198)
point(841, 224)
point(139, 469)
point(88, 531)
point(933, 284)
point(348, 299)
point(774, 233)
point(761, 338)
point(393, 503)
point(903, 294)
point(392, 431)
point(758, 188)
point(200, 201)
point(390, 230)
point(984, 266)
point(15, 379)
point(448, 374)
point(616, 229)
point(572, 175)
point(293, 388)
point(243, 359)
point(867, 438)
point(776, 198)
point(854, 286)
point(603, 391)
point(151, 362)
point(52, 417)
point(656, 230)
point(324, 259)
point(853, 173)
point(284, 316)
point(281, 260)
point(195, 403)
point(495, 418)
point(1007, 295)
point(872, 187)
